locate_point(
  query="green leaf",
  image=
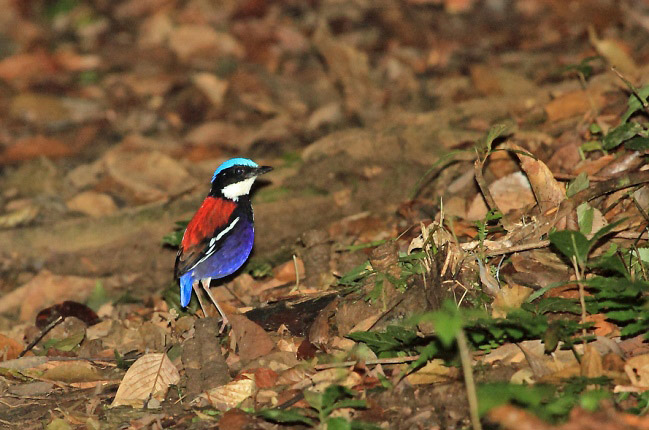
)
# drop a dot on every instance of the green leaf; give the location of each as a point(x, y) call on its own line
point(394, 338)
point(638, 143)
point(496, 131)
point(620, 134)
point(447, 322)
point(313, 399)
point(97, 297)
point(334, 393)
point(590, 146)
point(286, 416)
point(338, 423)
point(175, 237)
point(585, 215)
point(605, 230)
point(578, 184)
point(590, 400)
point(356, 274)
point(643, 254)
point(626, 315)
point(571, 244)
point(362, 425)
point(635, 104)
point(67, 344)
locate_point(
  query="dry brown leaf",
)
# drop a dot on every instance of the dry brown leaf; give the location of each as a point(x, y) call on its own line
point(286, 272)
point(148, 175)
point(614, 53)
point(251, 339)
point(637, 369)
point(591, 363)
point(37, 146)
point(44, 290)
point(514, 418)
point(150, 376)
point(229, 395)
point(92, 203)
point(19, 217)
point(75, 371)
point(509, 298)
point(213, 87)
point(9, 348)
point(434, 371)
point(571, 104)
point(548, 191)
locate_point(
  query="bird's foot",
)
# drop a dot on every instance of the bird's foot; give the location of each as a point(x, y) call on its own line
point(224, 322)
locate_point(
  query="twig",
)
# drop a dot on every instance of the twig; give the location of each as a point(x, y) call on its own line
point(42, 334)
point(582, 298)
point(491, 203)
point(633, 89)
point(472, 397)
point(570, 177)
point(393, 360)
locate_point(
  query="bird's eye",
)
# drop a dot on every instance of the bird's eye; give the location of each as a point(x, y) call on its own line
point(238, 171)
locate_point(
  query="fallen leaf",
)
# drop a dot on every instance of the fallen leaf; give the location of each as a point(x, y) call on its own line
point(286, 272)
point(434, 371)
point(549, 193)
point(193, 42)
point(78, 371)
point(571, 104)
point(614, 53)
point(213, 87)
point(9, 348)
point(37, 146)
point(150, 376)
point(637, 369)
point(44, 290)
point(20, 70)
point(92, 203)
point(591, 363)
point(231, 394)
point(148, 175)
point(251, 339)
point(19, 217)
point(509, 298)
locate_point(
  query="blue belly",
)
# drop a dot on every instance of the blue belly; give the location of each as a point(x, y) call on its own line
point(233, 252)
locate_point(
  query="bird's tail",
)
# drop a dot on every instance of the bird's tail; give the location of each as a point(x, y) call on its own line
point(186, 283)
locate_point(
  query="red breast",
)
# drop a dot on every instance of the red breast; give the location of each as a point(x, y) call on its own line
point(213, 214)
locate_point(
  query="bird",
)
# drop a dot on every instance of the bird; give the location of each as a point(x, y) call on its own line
point(219, 238)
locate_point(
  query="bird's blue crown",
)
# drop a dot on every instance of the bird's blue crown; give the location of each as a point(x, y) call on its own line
point(234, 162)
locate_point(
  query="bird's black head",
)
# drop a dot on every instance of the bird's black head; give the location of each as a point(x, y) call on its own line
point(234, 178)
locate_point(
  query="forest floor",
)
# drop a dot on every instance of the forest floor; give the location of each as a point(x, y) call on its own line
point(454, 233)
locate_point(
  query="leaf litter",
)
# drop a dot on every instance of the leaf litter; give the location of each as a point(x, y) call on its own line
point(431, 195)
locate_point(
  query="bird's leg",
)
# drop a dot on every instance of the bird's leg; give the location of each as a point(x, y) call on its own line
point(206, 287)
point(197, 290)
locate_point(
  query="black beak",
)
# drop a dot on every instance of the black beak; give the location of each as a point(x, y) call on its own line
point(262, 169)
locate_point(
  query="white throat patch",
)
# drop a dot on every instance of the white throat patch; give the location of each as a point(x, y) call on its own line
point(238, 189)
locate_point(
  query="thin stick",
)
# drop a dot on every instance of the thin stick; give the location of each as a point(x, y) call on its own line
point(393, 360)
point(42, 334)
point(491, 203)
point(472, 397)
point(633, 89)
point(582, 298)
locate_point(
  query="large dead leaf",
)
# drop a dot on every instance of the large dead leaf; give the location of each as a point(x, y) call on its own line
point(637, 369)
point(9, 348)
point(229, 395)
point(252, 340)
point(509, 298)
point(44, 290)
point(549, 193)
point(150, 376)
point(149, 176)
